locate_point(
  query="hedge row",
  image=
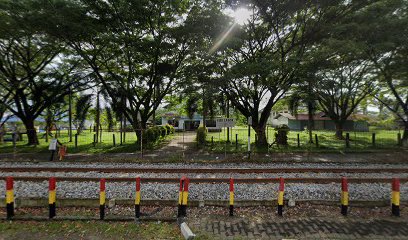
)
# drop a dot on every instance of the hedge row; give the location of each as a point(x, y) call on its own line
point(153, 134)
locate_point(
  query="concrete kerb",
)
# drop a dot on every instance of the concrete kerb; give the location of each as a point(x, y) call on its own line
point(94, 202)
point(88, 218)
point(186, 231)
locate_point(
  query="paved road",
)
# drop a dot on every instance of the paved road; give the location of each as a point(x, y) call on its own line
point(304, 228)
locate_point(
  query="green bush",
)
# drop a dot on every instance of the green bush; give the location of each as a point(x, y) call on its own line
point(157, 132)
point(149, 136)
point(172, 130)
point(163, 130)
point(168, 128)
point(201, 135)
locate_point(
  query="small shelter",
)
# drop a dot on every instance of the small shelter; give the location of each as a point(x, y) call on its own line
point(184, 123)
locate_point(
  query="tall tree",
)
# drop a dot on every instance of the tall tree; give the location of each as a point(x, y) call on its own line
point(341, 87)
point(379, 31)
point(136, 53)
point(264, 63)
point(82, 106)
point(33, 74)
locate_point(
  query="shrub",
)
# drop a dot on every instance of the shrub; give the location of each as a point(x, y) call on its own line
point(201, 135)
point(163, 130)
point(149, 136)
point(281, 135)
point(168, 128)
point(172, 130)
point(157, 132)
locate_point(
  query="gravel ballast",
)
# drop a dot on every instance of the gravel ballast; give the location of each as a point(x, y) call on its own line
point(220, 191)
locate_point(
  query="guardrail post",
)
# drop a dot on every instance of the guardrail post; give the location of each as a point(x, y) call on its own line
point(347, 140)
point(9, 198)
point(316, 140)
point(344, 196)
point(280, 196)
point(180, 200)
point(231, 199)
point(185, 197)
point(373, 139)
point(395, 198)
point(102, 199)
point(52, 197)
point(137, 199)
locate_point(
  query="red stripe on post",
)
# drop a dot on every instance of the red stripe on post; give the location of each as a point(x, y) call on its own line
point(395, 185)
point(9, 183)
point(281, 184)
point(138, 184)
point(186, 182)
point(181, 183)
point(344, 184)
point(102, 184)
point(52, 184)
point(231, 185)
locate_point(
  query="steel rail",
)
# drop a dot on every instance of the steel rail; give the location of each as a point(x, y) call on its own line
point(212, 180)
point(204, 170)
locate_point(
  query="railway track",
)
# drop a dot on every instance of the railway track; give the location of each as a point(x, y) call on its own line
point(210, 180)
point(204, 170)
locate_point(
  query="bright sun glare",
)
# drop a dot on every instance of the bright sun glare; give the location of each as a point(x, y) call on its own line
point(241, 15)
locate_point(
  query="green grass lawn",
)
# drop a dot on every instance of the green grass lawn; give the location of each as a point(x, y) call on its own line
point(87, 230)
point(84, 143)
point(384, 139)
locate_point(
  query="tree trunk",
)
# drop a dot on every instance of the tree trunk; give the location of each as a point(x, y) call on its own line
point(31, 132)
point(261, 136)
point(339, 130)
point(405, 136)
point(138, 128)
point(98, 117)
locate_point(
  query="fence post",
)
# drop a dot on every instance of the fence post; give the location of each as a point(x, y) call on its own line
point(267, 134)
point(114, 140)
point(399, 139)
point(76, 140)
point(316, 140)
point(298, 140)
point(212, 141)
point(100, 135)
point(102, 199)
point(94, 140)
point(236, 141)
point(347, 140)
point(373, 139)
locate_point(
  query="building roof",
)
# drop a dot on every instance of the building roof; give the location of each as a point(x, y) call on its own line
point(318, 116)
